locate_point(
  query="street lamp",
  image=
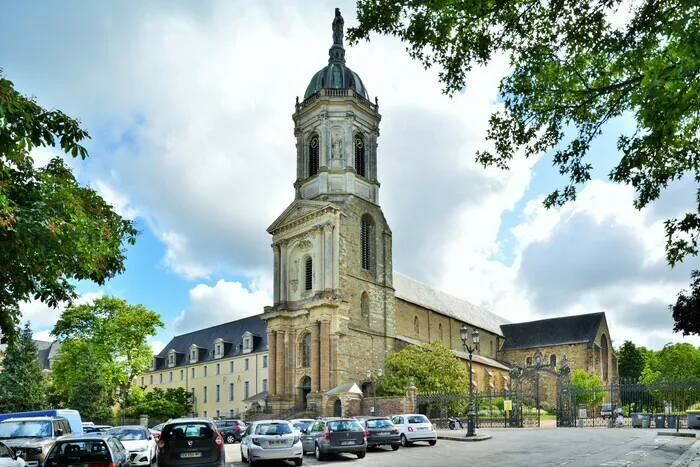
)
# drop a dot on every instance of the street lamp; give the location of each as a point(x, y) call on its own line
point(123, 399)
point(464, 333)
point(374, 387)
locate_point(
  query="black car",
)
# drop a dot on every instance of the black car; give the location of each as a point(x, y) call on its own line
point(231, 430)
point(192, 442)
point(95, 450)
point(381, 432)
point(335, 435)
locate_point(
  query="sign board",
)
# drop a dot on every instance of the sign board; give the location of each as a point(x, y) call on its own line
point(582, 413)
point(507, 405)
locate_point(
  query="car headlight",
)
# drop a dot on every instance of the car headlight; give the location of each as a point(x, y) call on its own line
point(141, 448)
point(34, 451)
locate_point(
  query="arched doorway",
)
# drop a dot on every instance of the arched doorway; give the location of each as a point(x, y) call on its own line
point(604, 356)
point(304, 389)
point(337, 408)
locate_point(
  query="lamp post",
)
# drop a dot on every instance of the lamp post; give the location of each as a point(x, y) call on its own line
point(464, 332)
point(374, 387)
point(118, 392)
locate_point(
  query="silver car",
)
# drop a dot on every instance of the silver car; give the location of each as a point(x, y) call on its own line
point(271, 439)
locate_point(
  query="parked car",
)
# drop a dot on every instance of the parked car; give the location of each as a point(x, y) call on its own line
point(300, 424)
point(96, 428)
point(155, 431)
point(231, 430)
point(94, 450)
point(607, 410)
point(381, 432)
point(138, 441)
point(31, 437)
point(335, 435)
point(190, 442)
point(415, 427)
point(271, 440)
point(73, 417)
point(8, 458)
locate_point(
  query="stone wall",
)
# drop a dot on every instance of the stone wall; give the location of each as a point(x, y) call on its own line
point(385, 405)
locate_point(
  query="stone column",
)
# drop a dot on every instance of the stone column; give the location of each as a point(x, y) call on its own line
point(325, 355)
point(328, 256)
point(291, 363)
point(280, 367)
point(315, 377)
point(272, 362)
point(276, 272)
point(334, 360)
point(283, 271)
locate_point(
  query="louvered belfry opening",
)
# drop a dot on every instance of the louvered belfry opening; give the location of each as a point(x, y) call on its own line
point(360, 160)
point(308, 276)
point(365, 243)
point(314, 147)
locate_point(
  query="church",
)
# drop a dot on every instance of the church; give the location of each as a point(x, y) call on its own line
point(339, 307)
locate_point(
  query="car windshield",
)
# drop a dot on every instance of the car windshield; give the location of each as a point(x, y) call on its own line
point(158, 427)
point(194, 430)
point(89, 450)
point(301, 425)
point(273, 429)
point(25, 429)
point(128, 434)
point(344, 425)
point(378, 423)
point(418, 419)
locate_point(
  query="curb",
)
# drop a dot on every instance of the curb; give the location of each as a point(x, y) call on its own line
point(684, 434)
point(471, 439)
point(690, 458)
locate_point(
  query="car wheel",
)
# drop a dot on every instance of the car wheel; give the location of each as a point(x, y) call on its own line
point(432, 442)
point(230, 439)
point(404, 441)
point(250, 461)
point(318, 453)
point(298, 461)
point(395, 447)
point(361, 455)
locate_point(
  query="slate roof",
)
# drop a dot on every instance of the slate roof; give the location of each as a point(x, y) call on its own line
point(413, 291)
point(231, 332)
point(553, 331)
point(47, 350)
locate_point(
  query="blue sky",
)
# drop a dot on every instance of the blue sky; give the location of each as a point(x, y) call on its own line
point(189, 107)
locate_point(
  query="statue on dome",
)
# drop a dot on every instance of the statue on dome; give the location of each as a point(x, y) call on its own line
point(338, 23)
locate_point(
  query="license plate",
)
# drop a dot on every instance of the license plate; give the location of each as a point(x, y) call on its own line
point(187, 455)
point(275, 443)
point(347, 443)
point(422, 428)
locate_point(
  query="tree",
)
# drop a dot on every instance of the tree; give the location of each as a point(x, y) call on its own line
point(630, 361)
point(686, 310)
point(159, 404)
point(679, 361)
point(434, 368)
point(89, 391)
point(22, 383)
point(116, 332)
point(589, 388)
point(53, 231)
point(571, 71)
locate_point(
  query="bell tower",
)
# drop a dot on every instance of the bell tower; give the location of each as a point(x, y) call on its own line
point(333, 311)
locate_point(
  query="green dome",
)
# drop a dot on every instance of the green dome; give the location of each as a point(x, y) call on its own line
point(336, 76)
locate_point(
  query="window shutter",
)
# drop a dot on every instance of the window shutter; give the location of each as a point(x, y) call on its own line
point(309, 274)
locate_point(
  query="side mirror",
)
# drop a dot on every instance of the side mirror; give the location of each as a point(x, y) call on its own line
point(59, 432)
point(150, 438)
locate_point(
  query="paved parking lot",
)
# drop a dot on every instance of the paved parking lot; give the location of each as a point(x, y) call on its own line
point(523, 447)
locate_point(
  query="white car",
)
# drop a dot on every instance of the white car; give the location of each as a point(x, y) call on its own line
point(415, 427)
point(271, 440)
point(139, 441)
point(8, 458)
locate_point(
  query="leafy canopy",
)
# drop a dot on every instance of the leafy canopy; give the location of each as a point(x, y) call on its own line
point(159, 404)
point(116, 332)
point(686, 310)
point(434, 368)
point(22, 384)
point(589, 388)
point(572, 71)
point(674, 362)
point(630, 361)
point(52, 230)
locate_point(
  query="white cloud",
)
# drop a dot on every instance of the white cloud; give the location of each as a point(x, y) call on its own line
point(157, 346)
point(43, 336)
point(225, 301)
point(120, 202)
point(41, 316)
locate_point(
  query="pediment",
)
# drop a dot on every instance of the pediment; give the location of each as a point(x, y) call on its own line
point(299, 209)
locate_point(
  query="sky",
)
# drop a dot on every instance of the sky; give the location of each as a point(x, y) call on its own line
point(189, 107)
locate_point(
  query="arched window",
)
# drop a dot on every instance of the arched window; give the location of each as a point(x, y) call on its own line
point(528, 361)
point(308, 274)
point(360, 158)
point(314, 151)
point(364, 307)
point(366, 242)
point(604, 355)
point(440, 331)
point(553, 360)
point(305, 350)
point(416, 326)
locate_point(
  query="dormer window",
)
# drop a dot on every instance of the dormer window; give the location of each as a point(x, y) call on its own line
point(172, 358)
point(218, 351)
point(153, 364)
point(194, 354)
point(248, 342)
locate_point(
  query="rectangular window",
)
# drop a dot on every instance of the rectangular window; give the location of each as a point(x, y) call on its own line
point(204, 394)
point(218, 393)
point(218, 368)
point(265, 385)
point(182, 375)
point(151, 378)
point(230, 413)
point(264, 361)
point(218, 413)
point(247, 389)
point(170, 376)
point(205, 414)
point(230, 391)
point(230, 370)
point(160, 378)
point(192, 372)
point(246, 365)
point(143, 381)
point(205, 371)
point(309, 274)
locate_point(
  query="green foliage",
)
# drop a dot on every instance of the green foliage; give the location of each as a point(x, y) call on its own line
point(116, 332)
point(571, 72)
point(434, 368)
point(159, 404)
point(89, 391)
point(630, 361)
point(53, 231)
point(589, 388)
point(22, 383)
point(686, 310)
point(679, 361)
